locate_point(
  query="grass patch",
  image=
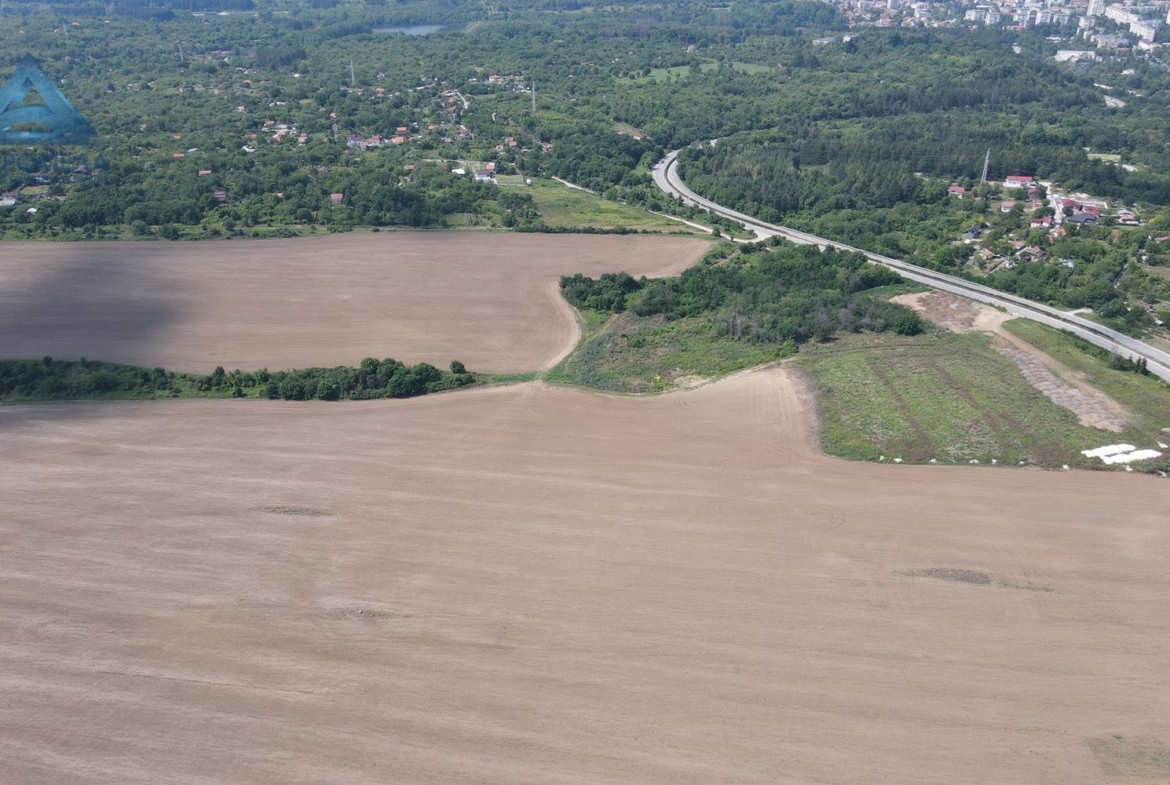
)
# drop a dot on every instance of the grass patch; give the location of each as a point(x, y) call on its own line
point(1146, 397)
point(1112, 158)
point(564, 207)
point(940, 396)
point(633, 354)
point(501, 379)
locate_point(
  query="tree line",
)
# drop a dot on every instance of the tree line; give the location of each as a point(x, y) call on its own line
point(50, 379)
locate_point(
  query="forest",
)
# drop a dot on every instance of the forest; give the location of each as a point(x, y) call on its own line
point(190, 117)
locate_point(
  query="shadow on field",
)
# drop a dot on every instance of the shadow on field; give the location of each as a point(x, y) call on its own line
point(85, 306)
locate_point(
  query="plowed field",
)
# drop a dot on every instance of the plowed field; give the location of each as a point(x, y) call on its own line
point(537, 585)
point(488, 300)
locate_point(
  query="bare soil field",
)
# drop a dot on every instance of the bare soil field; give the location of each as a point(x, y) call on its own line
point(533, 585)
point(957, 314)
point(489, 300)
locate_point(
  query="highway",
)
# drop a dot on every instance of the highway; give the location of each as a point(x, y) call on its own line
point(667, 179)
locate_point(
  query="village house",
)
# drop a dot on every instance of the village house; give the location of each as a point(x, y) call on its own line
point(484, 176)
point(1018, 181)
point(957, 190)
point(1006, 206)
point(336, 199)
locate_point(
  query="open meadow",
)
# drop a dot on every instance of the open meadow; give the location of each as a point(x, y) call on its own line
point(531, 584)
point(488, 300)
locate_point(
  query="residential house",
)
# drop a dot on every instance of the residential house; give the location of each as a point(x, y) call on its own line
point(957, 190)
point(336, 199)
point(484, 176)
point(1018, 181)
point(1006, 206)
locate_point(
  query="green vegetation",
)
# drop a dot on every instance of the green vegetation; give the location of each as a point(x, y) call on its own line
point(938, 396)
point(954, 399)
point(773, 292)
point(738, 308)
point(26, 381)
point(634, 354)
point(560, 207)
point(1146, 398)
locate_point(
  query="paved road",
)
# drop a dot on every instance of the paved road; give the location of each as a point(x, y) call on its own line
point(667, 179)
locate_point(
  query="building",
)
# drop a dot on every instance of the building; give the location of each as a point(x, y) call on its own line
point(1019, 181)
point(1096, 8)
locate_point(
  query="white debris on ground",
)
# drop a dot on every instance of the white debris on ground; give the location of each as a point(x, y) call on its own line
point(1129, 457)
point(1108, 449)
point(1121, 453)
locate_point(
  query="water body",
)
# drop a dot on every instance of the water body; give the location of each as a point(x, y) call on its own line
point(411, 29)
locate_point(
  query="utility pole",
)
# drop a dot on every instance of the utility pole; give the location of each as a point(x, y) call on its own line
point(986, 161)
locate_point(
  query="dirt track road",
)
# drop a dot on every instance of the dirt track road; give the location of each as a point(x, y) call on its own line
point(534, 585)
point(484, 299)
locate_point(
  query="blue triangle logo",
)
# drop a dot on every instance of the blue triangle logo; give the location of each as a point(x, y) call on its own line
point(55, 120)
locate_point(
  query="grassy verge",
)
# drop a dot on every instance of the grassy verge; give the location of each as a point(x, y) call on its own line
point(940, 396)
point(1146, 397)
point(633, 354)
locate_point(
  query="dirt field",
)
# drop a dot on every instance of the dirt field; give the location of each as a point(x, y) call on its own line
point(535, 585)
point(489, 300)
